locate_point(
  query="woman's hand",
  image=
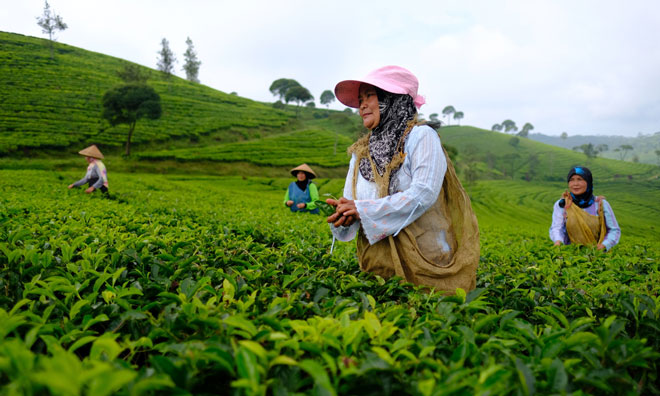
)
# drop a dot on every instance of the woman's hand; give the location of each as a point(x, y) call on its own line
point(557, 243)
point(302, 205)
point(90, 190)
point(600, 246)
point(345, 212)
point(289, 203)
point(70, 186)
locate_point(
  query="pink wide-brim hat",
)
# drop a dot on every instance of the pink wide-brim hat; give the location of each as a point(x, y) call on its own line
point(394, 79)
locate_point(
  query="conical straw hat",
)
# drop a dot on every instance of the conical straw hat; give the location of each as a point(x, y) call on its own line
point(305, 168)
point(91, 151)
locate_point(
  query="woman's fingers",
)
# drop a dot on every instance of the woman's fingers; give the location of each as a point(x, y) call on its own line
point(333, 217)
point(349, 212)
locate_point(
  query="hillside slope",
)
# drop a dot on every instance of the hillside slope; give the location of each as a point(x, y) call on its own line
point(645, 148)
point(486, 154)
point(56, 103)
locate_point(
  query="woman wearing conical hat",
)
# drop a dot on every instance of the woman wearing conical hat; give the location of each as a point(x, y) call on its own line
point(96, 176)
point(302, 193)
point(580, 218)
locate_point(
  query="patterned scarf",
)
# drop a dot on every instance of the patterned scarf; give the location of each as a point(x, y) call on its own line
point(395, 113)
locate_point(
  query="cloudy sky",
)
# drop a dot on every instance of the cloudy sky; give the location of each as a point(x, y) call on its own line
point(579, 66)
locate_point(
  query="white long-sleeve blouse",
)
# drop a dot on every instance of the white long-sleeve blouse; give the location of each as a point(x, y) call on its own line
point(419, 181)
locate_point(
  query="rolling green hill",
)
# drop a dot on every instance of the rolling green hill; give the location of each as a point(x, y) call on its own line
point(56, 103)
point(492, 155)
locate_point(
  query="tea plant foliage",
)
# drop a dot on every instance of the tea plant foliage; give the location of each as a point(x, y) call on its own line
point(206, 285)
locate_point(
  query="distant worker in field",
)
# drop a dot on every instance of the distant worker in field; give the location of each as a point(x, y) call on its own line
point(402, 199)
point(580, 218)
point(302, 193)
point(96, 176)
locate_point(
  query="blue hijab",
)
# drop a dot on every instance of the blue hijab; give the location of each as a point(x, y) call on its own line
point(585, 199)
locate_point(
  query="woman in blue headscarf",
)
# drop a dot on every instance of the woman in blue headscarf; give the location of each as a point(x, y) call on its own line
point(581, 218)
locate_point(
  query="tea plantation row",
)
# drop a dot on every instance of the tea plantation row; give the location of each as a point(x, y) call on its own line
point(206, 285)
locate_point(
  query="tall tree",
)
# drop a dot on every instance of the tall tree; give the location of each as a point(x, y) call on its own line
point(434, 117)
point(564, 136)
point(524, 132)
point(458, 116)
point(191, 65)
point(496, 128)
point(50, 22)
point(166, 58)
point(657, 153)
point(509, 125)
point(447, 112)
point(280, 87)
point(127, 104)
point(327, 97)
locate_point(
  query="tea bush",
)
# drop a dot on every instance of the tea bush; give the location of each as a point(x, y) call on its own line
point(205, 285)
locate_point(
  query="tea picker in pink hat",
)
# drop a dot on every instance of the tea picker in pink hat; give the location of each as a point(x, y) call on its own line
point(402, 199)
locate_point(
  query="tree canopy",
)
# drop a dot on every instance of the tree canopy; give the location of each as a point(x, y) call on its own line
point(298, 94)
point(524, 132)
point(458, 116)
point(623, 151)
point(281, 86)
point(509, 125)
point(590, 151)
point(327, 97)
point(447, 112)
point(126, 104)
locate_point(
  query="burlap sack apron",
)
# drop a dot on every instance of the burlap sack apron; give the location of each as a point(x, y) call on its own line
point(583, 228)
point(417, 254)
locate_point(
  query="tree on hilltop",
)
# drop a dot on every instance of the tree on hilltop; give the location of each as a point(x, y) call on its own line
point(447, 112)
point(564, 136)
point(458, 116)
point(299, 95)
point(127, 104)
point(281, 86)
point(191, 65)
point(50, 22)
point(496, 128)
point(327, 97)
point(166, 59)
point(590, 151)
point(524, 132)
point(509, 125)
